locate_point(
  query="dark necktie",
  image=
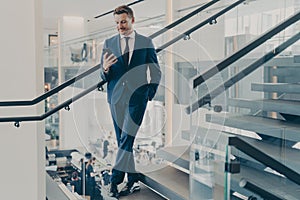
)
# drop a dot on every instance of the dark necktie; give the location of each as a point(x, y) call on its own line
point(126, 52)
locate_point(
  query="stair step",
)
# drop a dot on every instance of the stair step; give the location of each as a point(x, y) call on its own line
point(276, 185)
point(283, 154)
point(145, 194)
point(167, 181)
point(287, 71)
point(178, 155)
point(291, 88)
point(258, 176)
point(281, 106)
point(267, 126)
point(290, 61)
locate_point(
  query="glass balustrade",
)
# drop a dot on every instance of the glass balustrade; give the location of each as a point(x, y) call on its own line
point(218, 165)
point(244, 139)
point(88, 127)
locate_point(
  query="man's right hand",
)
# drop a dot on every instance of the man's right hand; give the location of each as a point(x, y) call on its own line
point(108, 61)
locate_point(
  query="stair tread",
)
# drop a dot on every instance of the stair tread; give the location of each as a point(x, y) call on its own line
point(267, 126)
point(279, 186)
point(284, 154)
point(287, 71)
point(276, 105)
point(282, 62)
point(265, 180)
point(276, 87)
point(258, 176)
point(166, 180)
point(145, 194)
point(178, 155)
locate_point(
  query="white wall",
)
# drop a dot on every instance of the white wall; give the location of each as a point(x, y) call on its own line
point(71, 27)
point(21, 149)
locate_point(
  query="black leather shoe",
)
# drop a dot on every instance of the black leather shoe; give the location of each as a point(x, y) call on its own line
point(130, 188)
point(113, 192)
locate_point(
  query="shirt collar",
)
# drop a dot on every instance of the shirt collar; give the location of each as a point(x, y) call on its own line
point(131, 35)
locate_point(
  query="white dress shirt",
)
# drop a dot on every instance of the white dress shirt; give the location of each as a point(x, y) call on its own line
point(130, 43)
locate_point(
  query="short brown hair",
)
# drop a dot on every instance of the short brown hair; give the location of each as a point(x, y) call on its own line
point(124, 9)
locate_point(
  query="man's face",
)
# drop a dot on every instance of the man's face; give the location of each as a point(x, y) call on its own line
point(124, 24)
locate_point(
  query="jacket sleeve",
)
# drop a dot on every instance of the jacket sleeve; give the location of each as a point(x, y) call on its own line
point(155, 72)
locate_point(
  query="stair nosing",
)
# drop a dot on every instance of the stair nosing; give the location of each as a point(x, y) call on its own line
point(290, 88)
point(178, 190)
point(276, 105)
point(272, 127)
point(180, 158)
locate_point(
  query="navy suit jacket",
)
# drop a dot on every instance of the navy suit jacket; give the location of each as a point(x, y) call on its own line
point(131, 82)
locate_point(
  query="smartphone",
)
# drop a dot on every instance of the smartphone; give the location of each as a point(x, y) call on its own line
point(108, 51)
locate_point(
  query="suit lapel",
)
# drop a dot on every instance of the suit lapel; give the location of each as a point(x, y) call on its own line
point(119, 49)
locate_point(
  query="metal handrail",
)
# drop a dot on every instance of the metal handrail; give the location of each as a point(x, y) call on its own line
point(65, 105)
point(50, 92)
point(206, 99)
point(234, 57)
point(130, 4)
point(210, 20)
point(182, 19)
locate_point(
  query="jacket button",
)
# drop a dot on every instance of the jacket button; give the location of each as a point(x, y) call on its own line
point(123, 83)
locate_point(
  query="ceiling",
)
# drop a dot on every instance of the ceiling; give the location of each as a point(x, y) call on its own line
point(55, 9)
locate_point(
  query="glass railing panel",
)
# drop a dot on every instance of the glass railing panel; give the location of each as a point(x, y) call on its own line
point(271, 173)
point(77, 56)
point(252, 19)
point(51, 81)
point(260, 109)
point(226, 168)
point(246, 121)
point(208, 180)
point(88, 126)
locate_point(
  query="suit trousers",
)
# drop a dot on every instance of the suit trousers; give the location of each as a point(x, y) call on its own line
point(127, 118)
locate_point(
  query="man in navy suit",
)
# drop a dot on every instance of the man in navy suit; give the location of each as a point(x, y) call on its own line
point(124, 67)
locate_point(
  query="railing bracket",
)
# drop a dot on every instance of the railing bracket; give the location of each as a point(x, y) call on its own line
point(218, 108)
point(207, 100)
point(101, 89)
point(197, 156)
point(213, 21)
point(187, 37)
point(67, 108)
point(17, 124)
point(233, 167)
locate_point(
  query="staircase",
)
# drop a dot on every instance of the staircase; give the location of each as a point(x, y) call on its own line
point(249, 150)
point(224, 162)
point(268, 164)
